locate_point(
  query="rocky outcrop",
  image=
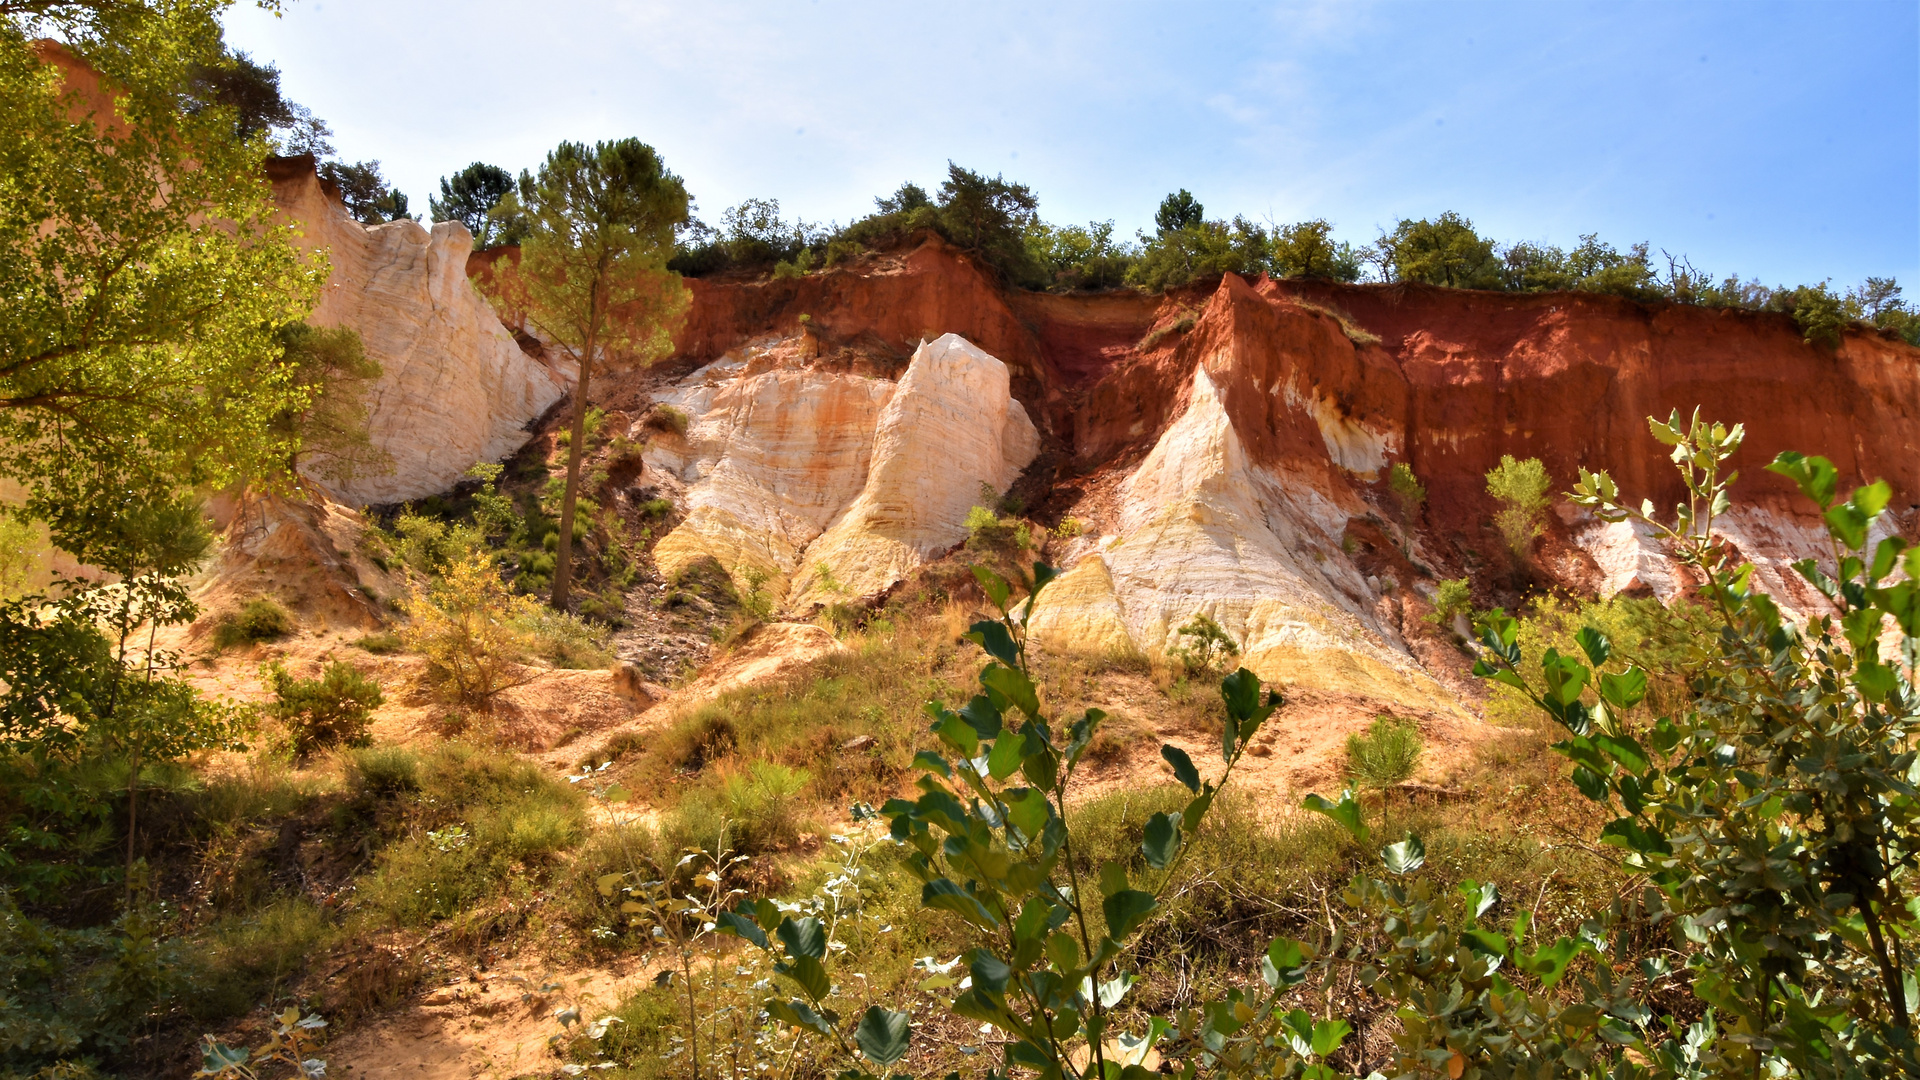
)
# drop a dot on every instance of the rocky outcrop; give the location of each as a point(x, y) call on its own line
point(1238, 513)
point(454, 388)
point(1224, 447)
point(789, 469)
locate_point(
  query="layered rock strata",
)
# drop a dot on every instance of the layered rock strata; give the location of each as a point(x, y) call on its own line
point(820, 487)
point(454, 387)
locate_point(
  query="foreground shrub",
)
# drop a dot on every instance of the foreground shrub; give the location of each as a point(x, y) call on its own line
point(333, 710)
point(1387, 754)
point(258, 620)
point(472, 631)
point(1776, 878)
point(483, 826)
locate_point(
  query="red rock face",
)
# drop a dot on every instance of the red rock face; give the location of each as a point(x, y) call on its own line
point(1455, 380)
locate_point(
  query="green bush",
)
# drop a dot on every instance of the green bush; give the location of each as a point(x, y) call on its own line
point(1453, 597)
point(260, 619)
point(1204, 645)
point(484, 825)
point(245, 959)
point(333, 710)
point(1522, 488)
point(1407, 490)
point(384, 771)
point(381, 644)
point(1387, 754)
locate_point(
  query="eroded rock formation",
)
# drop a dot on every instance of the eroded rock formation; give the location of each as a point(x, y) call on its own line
point(1225, 447)
point(454, 388)
point(790, 469)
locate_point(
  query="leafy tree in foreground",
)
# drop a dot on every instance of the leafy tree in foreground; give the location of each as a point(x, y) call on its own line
point(1774, 820)
point(331, 368)
point(141, 267)
point(593, 277)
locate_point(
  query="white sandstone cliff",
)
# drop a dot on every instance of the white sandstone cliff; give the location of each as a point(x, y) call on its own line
point(789, 469)
point(1204, 530)
point(454, 387)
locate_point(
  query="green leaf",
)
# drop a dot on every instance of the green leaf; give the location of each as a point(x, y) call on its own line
point(1594, 644)
point(796, 1013)
point(1484, 670)
point(1816, 476)
point(1241, 691)
point(741, 924)
point(882, 1035)
point(1885, 555)
point(1162, 840)
point(1042, 575)
point(1499, 632)
point(1591, 784)
point(1479, 897)
point(979, 712)
point(1550, 963)
point(1028, 809)
point(1565, 677)
point(1328, 1035)
point(1625, 689)
point(994, 638)
point(1346, 812)
point(809, 974)
point(1183, 769)
point(1848, 525)
point(219, 1057)
point(1113, 877)
point(993, 585)
point(1623, 749)
point(1004, 760)
point(942, 893)
point(1404, 857)
point(1125, 911)
point(1014, 685)
point(803, 937)
point(929, 761)
point(1284, 964)
point(1626, 832)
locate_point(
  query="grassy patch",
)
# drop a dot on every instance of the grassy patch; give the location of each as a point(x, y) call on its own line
point(260, 619)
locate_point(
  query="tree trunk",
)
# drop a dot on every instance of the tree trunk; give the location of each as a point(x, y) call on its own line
point(563, 564)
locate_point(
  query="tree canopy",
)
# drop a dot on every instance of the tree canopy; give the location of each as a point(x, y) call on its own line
point(470, 197)
point(593, 274)
point(143, 271)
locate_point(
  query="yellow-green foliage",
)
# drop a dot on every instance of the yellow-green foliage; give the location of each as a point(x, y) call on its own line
point(1387, 754)
point(22, 548)
point(481, 826)
point(1522, 488)
point(259, 619)
point(1666, 641)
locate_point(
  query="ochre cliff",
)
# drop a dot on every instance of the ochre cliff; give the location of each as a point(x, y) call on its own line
point(1225, 446)
point(454, 387)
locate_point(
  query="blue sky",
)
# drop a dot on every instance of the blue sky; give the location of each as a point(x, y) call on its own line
point(1781, 141)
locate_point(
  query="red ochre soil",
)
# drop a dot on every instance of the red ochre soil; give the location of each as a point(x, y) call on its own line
point(1457, 378)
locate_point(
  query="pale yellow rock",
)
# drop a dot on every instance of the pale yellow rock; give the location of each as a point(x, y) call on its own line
point(454, 388)
point(951, 427)
point(771, 459)
point(792, 469)
point(1080, 612)
point(1203, 531)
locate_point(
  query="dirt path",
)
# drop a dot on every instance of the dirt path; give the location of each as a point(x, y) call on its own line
point(487, 1024)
